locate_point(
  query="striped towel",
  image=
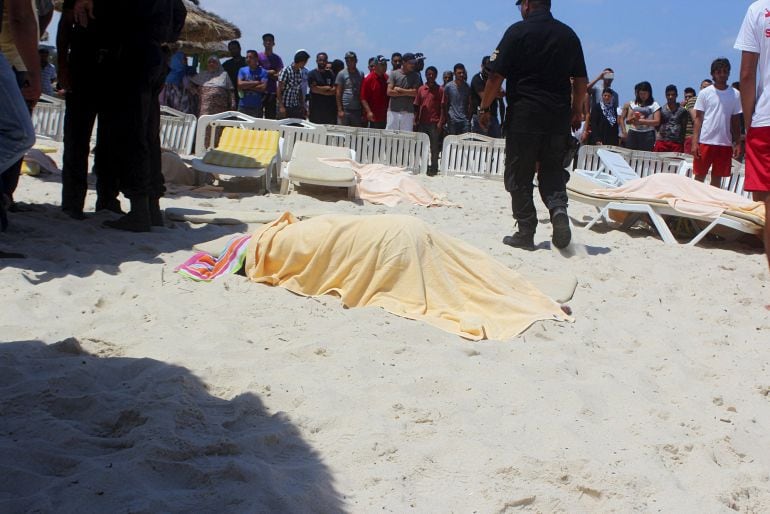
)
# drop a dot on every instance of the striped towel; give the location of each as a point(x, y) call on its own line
point(203, 267)
point(243, 148)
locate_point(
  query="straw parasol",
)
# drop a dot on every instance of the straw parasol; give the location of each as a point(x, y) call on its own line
point(201, 26)
point(205, 27)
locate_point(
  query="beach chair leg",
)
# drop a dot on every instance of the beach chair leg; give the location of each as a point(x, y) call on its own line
point(352, 193)
point(660, 224)
point(602, 213)
point(285, 186)
point(697, 239)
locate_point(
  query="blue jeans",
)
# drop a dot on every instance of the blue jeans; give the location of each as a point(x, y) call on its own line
point(458, 128)
point(17, 135)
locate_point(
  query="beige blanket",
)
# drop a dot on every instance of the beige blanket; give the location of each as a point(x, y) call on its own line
point(401, 264)
point(389, 185)
point(685, 195)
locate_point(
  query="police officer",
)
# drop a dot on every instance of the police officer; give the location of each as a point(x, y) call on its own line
point(542, 61)
point(82, 73)
point(130, 36)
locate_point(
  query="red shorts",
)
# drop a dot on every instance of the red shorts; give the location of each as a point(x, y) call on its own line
point(757, 159)
point(668, 146)
point(718, 158)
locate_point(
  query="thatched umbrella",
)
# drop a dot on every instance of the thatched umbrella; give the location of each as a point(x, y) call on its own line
point(204, 27)
point(200, 26)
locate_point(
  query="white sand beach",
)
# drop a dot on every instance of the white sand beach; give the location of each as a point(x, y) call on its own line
point(174, 396)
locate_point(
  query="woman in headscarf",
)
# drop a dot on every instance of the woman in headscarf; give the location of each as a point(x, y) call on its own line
point(215, 88)
point(604, 122)
point(175, 94)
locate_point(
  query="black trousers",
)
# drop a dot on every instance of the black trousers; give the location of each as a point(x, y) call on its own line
point(132, 134)
point(525, 155)
point(432, 130)
point(84, 103)
point(269, 106)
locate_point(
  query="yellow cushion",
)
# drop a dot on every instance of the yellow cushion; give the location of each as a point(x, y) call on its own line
point(243, 148)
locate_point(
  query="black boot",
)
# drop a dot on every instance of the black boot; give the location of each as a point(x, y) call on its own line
point(112, 205)
point(137, 219)
point(562, 234)
point(156, 214)
point(524, 237)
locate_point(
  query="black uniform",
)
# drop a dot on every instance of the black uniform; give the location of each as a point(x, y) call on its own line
point(537, 57)
point(131, 35)
point(86, 93)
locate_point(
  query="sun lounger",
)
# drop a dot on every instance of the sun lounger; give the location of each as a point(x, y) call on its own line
point(304, 167)
point(177, 131)
point(473, 155)
point(48, 118)
point(243, 152)
point(583, 189)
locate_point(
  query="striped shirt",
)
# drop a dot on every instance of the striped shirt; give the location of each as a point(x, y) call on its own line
point(291, 78)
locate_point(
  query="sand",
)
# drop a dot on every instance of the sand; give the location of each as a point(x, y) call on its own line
point(164, 395)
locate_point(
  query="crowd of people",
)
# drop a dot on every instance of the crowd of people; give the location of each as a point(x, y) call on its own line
point(397, 92)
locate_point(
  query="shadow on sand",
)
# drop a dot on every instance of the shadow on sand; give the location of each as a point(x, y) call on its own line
point(56, 246)
point(81, 433)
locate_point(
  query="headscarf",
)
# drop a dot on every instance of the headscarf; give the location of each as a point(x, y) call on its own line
point(608, 109)
point(216, 78)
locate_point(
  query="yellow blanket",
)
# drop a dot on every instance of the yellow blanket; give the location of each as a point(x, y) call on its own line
point(401, 264)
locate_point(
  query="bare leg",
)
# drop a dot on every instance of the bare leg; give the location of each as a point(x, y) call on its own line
point(716, 181)
point(764, 196)
point(700, 178)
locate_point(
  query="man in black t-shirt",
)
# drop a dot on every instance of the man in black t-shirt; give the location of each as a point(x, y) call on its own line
point(233, 65)
point(542, 61)
point(323, 101)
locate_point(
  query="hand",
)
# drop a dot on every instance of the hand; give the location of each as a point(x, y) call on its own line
point(84, 12)
point(737, 150)
point(584, 137)
point(32, 89)
point(484, 119)
point(341, 114)
point(695, 149)
point(64, 78)
point(282, 110)
point(370, 116)
point(577, 119)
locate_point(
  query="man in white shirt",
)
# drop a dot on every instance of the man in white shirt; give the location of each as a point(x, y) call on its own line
point(754, 41)
point(717, 129)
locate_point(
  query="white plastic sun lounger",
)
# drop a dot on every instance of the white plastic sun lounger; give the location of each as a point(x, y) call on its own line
point(304, 167)
point(580, 189)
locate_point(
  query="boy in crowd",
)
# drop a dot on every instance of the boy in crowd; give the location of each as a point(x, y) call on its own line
point(252, 84)
point(674, 119)
point(717, 132)
point(291, 93)
point(402, 88)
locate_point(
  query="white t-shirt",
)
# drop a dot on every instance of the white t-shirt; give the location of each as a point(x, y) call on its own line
point(647, 112)
point(755, 37)
point(718, 108)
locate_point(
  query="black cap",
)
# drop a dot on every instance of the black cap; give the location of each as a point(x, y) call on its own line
point(381, 59)
point(419, 56)
point(351, 55)
point(408, 57)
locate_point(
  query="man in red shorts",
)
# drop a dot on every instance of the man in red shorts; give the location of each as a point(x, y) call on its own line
point(754, 41)
point(717, 129)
